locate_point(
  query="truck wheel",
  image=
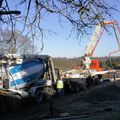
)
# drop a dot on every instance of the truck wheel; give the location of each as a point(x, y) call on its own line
point(39, 96)
point(72, 87)
point(15, 103)
point(97, 80)
point(82, 86)
point(48, 92)
point(77, 87)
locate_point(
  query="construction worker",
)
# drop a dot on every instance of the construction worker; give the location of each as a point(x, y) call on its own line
point(60, 87)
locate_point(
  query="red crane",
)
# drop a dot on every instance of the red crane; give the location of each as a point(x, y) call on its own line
point(89, 51)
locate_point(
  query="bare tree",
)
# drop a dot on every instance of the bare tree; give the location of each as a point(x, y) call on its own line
point(24, 44)
point(82, 14)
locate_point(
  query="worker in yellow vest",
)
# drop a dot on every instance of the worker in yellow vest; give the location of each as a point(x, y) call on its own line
point(60, 86)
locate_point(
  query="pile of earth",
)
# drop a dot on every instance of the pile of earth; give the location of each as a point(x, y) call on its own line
point(107, 93)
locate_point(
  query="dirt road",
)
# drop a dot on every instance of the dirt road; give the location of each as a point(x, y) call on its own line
point(99, 103)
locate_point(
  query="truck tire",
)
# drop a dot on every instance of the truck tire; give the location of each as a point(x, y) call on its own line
point(72, 86)
point(97, 79)
point(82, 86)
point(76, 87)
point(48, 92)
point(39, 96)
point(89, 82)
point(15, 103)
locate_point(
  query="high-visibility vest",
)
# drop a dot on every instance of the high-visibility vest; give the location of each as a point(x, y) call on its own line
point(59, 84)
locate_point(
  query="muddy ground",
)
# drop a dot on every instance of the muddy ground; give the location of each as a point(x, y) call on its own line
point(101, 102)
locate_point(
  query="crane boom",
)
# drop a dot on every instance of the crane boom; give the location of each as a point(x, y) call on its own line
point(95, 40)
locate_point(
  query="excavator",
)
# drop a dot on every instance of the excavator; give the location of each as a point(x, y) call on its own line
point(92, 65)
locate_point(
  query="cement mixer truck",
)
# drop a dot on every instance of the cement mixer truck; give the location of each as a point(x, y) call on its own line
point(24, 76)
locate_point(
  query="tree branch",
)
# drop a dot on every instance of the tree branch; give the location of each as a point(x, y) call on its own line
point(10, 12)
